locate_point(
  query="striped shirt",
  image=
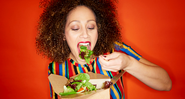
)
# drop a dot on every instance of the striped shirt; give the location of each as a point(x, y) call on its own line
point(70, 68)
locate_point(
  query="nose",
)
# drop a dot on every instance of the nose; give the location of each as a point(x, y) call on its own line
point(84, 33)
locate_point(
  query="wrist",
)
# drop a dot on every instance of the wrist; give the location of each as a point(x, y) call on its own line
point(130, 63)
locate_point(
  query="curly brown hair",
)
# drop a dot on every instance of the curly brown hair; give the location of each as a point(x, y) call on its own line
point(49, 41)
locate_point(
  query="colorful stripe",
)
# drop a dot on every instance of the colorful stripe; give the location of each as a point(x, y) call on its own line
point(94, 67)
point(80, 68)
point(75, 69)
point(63, 69)
point(54, 71)
point(70, 68)
point(84, 69)
point(113, 96)
point(127, 49)
point(99, 66)
point(115, 92)
point(66, 70)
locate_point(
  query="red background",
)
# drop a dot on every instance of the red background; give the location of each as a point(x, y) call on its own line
point(154, 28)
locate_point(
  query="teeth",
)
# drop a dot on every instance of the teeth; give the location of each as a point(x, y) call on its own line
point(85, 44)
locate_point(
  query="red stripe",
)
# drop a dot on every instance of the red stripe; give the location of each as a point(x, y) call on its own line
point(97, 68)
point(119, 84)
point(70, 69)
point(57, 68)
point(76, 64)
point(83, 70)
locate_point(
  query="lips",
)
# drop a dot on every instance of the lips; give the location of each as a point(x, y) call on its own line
point(84, 43)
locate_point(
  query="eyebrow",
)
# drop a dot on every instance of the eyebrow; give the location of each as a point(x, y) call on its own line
point(79, 21)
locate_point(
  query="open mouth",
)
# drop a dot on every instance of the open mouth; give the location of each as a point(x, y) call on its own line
point(84, 43)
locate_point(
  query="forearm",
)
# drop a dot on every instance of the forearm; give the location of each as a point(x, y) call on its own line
point(150, 74)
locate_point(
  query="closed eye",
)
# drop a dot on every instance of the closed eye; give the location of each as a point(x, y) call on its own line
point(91, 28)
point(75, 29)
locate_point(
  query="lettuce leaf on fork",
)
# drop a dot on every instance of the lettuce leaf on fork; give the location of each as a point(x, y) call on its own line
point(85, 54)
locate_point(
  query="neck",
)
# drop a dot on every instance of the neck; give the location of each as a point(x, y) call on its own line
point(76, 60)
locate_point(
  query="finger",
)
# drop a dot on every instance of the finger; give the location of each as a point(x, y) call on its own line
point(111, 62)
point(114, 64)
point(103, 57)
point(103, 61)
point(111, 56)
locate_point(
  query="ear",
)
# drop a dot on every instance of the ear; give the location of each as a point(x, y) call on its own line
point(64, 38)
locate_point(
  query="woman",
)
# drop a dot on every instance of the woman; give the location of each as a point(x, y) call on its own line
point(65, 25)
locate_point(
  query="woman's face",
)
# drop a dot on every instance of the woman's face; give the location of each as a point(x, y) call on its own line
point(80, 29)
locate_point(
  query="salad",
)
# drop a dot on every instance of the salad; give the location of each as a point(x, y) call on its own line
point(85, 53)
point(78, 85)
point(81, 84)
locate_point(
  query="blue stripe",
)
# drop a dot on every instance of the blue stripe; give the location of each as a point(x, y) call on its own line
point(60, 69)
point(127, 51)
point(116, 87)
point(108, 74)
point(80, 68)
point(99, 66)
point(118, 90)
point(112, 94)
point(50, 90)
point(66, 69)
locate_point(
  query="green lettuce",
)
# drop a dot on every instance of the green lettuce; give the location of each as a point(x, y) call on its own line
point(87, 52)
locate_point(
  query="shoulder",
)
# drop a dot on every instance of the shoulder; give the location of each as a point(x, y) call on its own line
point(53, 67)
point(50, 67)
point(122, 47)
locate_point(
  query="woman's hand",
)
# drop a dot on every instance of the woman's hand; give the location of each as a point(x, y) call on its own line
point(149, 73)
point(115, 61)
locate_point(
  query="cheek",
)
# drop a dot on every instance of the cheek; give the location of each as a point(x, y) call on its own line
point(96, 35)
point(69, 39)
point(95, 38)
point(69, 36)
